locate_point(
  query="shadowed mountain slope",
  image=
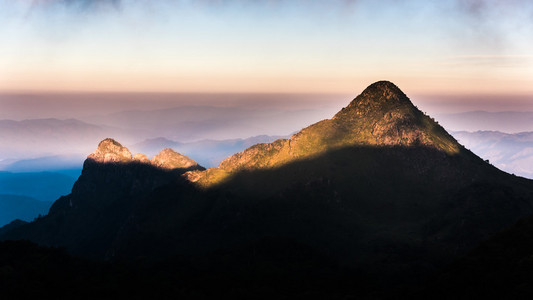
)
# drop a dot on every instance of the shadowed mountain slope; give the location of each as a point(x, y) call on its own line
point(106, 194)
point(380, 188)
point(500, 267)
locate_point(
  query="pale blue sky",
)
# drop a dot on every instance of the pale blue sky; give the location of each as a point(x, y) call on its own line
point(426, 47)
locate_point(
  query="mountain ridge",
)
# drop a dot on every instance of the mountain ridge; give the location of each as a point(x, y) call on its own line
point(381, 115)
point(111, 151)
point(387, 196)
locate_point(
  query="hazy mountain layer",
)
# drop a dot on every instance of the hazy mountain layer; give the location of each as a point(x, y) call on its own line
point(40, 137)
point(52, 144)
point(20, 207)
point(512, 153)
point(44, 186)
point(504, 121)
point(193, 123)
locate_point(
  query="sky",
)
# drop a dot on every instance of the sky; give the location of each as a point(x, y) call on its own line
point(447, 48)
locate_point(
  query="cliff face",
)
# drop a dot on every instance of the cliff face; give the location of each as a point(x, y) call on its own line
point(169, 159)
point(111, 168)
point(110, 151)
point(106, 197)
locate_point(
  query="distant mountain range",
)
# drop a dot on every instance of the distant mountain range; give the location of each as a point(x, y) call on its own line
point(46, 137)
point(505, 121)
point(43, 186)
point(21, 207)
point(44, 164)
point(212, 133)
point(38, 144)
point(25, 195)
point(193, 123)
point(512, 153)
point(378, 196)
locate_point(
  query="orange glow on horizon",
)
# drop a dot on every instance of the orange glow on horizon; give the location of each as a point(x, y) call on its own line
point(237, 83)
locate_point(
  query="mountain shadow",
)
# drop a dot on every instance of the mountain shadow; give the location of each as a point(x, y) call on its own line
point(389, 217)
point(500, 267)
point(295, 272)
point(391, 209)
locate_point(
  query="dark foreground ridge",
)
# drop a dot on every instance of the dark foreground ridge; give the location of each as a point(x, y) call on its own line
point(377, 198)
point(500, 267)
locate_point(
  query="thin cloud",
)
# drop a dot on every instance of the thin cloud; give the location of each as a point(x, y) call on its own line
point(79, 5)
point(483, 18)
point(498, 61)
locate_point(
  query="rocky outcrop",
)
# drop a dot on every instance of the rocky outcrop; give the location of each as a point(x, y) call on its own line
point(110, 151)
point(142, 158)
point(383, 115)
point(169, 159)
point(259, 156)
point(106, 197)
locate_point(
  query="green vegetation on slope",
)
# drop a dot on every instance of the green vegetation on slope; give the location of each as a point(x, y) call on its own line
point(381, 116)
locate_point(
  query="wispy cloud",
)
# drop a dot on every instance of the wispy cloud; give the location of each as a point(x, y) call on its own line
point(484, 61)
point(78, 3)
point(494, 22)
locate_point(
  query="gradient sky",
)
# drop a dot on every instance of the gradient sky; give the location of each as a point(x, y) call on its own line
point(454, 47)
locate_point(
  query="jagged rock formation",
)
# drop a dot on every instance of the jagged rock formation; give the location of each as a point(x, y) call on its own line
point(105, 196)
point(169, 159)
point(142, 158)
point(110, 151)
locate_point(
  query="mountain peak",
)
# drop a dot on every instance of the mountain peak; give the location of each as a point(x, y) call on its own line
point(142, 158)
point(381, 116)
point(383, 86)
point(169, 159)
point(378, 98)
point(385, 92)
point(110, 150)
